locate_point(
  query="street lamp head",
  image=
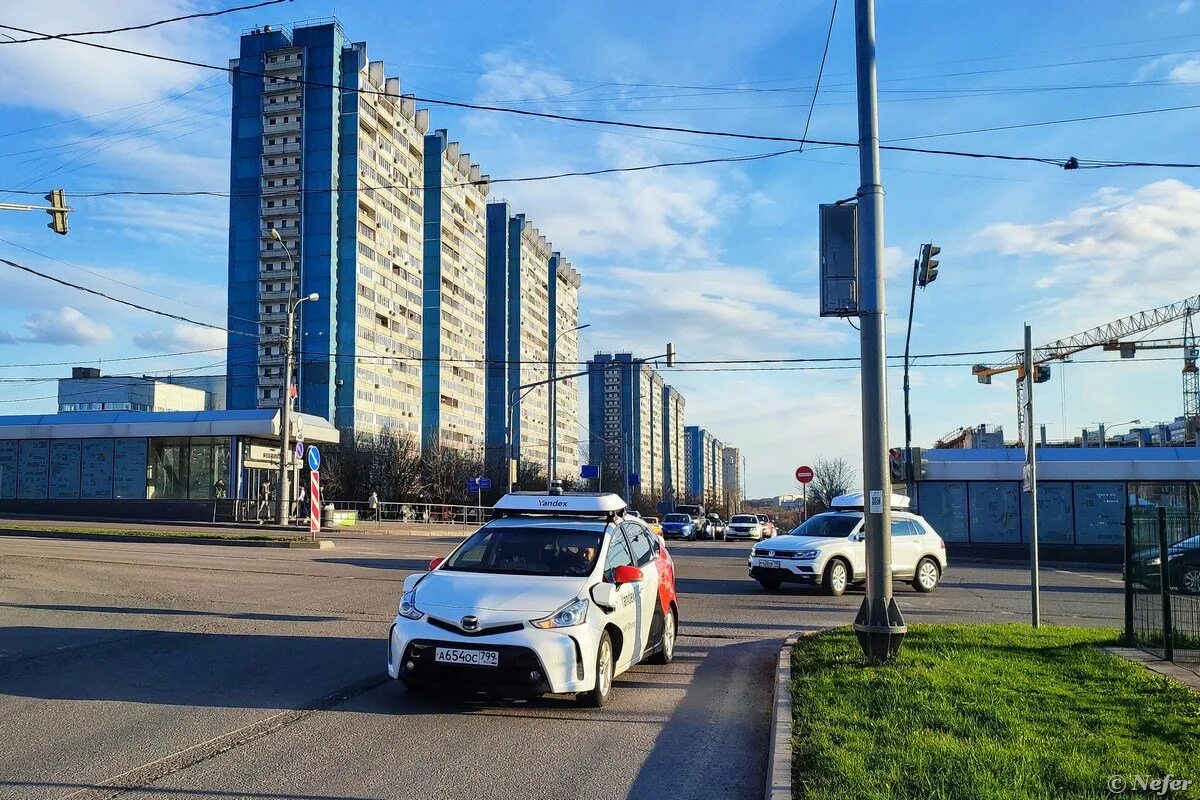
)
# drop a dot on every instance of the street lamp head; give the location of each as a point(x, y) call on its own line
point(274, 236)
point(581, 327)
point(314, 297)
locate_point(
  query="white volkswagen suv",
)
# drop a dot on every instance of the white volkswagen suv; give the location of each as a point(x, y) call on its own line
point(829, 550)
point(560, 594)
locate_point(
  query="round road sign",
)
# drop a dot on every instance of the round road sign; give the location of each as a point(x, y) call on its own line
point(804, 474)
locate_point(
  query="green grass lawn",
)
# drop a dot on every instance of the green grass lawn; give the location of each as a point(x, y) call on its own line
point(985, 711)
point(178, 533)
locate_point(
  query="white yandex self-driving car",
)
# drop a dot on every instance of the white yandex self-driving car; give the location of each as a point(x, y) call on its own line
point(559, 594)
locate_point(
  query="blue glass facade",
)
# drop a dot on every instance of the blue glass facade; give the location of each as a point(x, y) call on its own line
point(496, 343)
point(431, 327)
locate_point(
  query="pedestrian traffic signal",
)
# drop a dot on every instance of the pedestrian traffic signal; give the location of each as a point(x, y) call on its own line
point(57, 211)
point(896, 463)
point(927, 265)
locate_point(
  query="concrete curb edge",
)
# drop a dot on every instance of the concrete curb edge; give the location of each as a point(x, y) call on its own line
point(779, 750)
point(323, 544)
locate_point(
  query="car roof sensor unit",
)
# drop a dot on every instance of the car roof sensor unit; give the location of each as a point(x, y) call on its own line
point(607, 506)
point(854, 502)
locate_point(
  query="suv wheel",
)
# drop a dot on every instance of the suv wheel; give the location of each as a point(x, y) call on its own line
point(1189, 581)
point(926, 578)
point(770, 584)
point(837, 578)
point(670, 629)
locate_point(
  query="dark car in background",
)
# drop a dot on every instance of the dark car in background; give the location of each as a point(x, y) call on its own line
point(716, 526)
point(1183, 567)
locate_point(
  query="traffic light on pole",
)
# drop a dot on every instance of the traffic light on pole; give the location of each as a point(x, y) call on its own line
point(920, 464)
point(896, 463)
point(57, 211)
point(927, 267)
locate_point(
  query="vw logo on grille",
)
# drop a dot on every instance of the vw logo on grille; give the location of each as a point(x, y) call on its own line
point(770, 553)
point(469, 623)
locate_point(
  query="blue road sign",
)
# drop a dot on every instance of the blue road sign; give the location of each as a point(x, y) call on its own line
point(589, 471)
point(299, 449)
point(485, 483)
point(314, 458)
point(635, 479)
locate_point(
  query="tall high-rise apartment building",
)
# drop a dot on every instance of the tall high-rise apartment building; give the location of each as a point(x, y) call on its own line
point(702, 456)
point(452, 380)
point(674, 472)
point(338, 174)
point(625, 419)
point(731, 475)
point(532, 300)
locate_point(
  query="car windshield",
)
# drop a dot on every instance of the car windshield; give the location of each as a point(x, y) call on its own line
point(677, 518)
point(744, 519)
point(832, 525)
point(538, 550)
point(762, 517)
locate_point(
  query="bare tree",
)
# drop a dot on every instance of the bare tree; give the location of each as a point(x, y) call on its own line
point(831, 477)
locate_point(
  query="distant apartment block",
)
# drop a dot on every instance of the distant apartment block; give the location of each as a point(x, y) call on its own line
point(731, 475)
point(625, 419)
point(674, 461)
point(564, 299)
point(455, 272)
point(704, 466)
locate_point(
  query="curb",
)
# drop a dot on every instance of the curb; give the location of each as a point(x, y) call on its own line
point(323, 544)
point(779, 749)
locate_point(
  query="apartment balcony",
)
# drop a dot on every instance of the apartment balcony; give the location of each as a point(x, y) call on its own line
point(275, 252)
point(289, 169)
point(274, 273)
point(280, 105)
point(278, 189)
point(278, 210)
point(279, 127)
point(281, 149)
point(286, 63)
point(275, 295)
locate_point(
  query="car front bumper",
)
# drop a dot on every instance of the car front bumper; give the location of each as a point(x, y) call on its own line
point(531, 661)
point(732, 533)
point(788, 571)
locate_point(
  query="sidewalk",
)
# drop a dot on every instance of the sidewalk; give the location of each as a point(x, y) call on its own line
point(363, 527)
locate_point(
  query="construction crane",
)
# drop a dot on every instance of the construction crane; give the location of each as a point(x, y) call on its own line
point(1110, 337)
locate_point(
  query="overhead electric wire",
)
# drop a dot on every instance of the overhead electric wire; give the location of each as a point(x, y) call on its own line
point(1066, 163)
point(820, 71)
point(146, 25)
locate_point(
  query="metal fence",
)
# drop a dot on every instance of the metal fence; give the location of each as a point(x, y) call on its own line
point(1162, 582)
point(365, 515)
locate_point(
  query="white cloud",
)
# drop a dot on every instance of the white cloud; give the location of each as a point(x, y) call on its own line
point(1187, 72)
point(179, 338)
point(1184, 7)
point(65, 326)
point(509, 78)
point(61, 76)
point(1123, 252)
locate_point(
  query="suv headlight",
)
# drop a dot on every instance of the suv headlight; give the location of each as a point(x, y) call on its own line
point(808, 555)
point(408, 605)
point(573, 613)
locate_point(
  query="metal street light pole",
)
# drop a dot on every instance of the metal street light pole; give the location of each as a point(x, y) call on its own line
point(879, 625)
point(1031, 482)
point(908, 465)
point(285, 406)
point(552, 439)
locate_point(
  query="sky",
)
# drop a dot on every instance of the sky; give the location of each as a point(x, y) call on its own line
point(720, 259)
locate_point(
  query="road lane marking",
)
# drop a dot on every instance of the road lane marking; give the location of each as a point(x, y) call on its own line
point(154, 771)
point(1086, 575)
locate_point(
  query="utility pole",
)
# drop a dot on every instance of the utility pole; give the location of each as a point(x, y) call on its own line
point(879, 626)
point(285, 407)
point(1031, 482)
point(908, 467)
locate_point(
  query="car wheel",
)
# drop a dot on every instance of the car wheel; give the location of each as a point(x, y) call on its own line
point(605, 665)
point(670, 629)
point(926, 578)
point(770, 584)
point(1189, 581)
point(837, 578)
point(415, 688)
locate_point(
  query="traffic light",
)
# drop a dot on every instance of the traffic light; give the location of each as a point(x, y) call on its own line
point(927, 265)
point(896, 464)
point(57, 211)
point(920, 464)
point(1041, 373)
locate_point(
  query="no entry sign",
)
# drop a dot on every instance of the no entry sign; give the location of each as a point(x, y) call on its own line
point(804, 474)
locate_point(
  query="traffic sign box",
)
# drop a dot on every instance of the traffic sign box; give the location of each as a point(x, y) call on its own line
point(804, 474)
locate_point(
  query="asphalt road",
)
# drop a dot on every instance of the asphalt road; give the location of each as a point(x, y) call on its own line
point(215, 672)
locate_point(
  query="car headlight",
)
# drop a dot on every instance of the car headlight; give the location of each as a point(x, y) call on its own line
point(408, 605)
point(808, 555)
point(573, 613)
point(1154, 562)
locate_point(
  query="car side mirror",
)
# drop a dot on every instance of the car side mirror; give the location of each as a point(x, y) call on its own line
point(626, 574)
point(434, 563)
point(605, 596)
